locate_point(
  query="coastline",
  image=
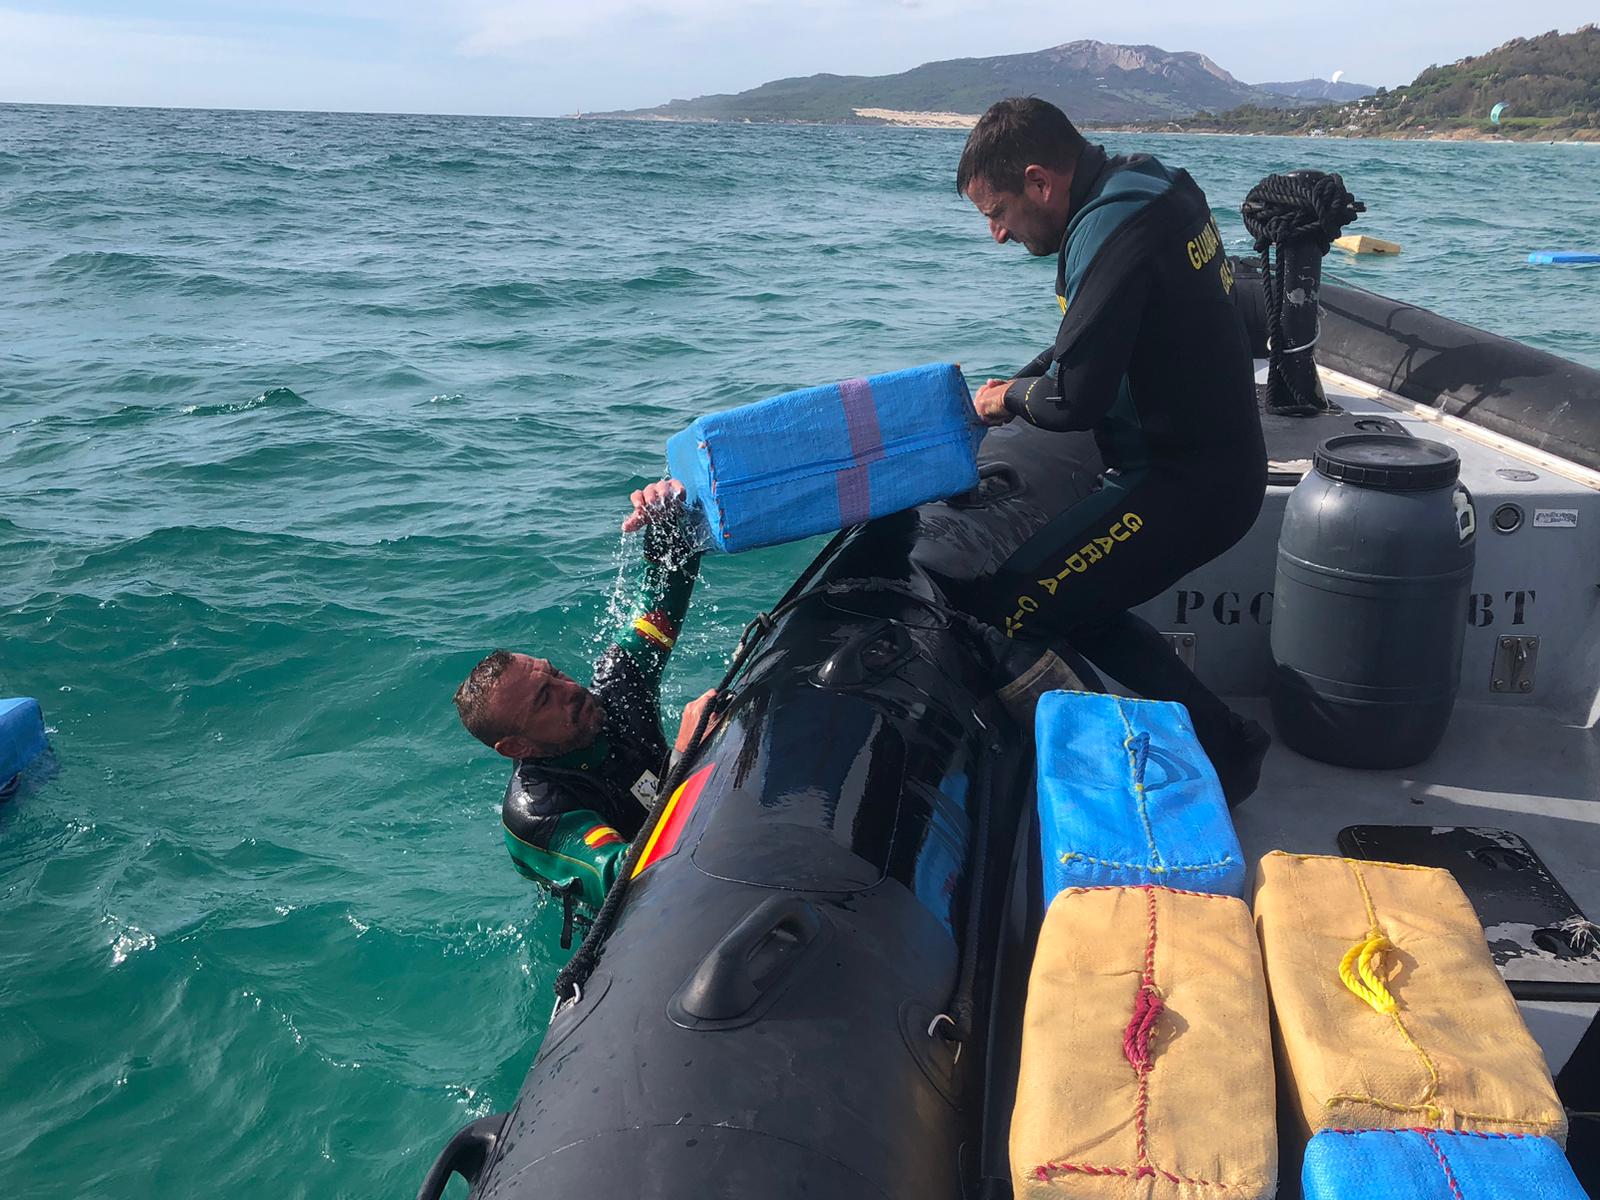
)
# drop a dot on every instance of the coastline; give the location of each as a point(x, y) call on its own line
point(894, 118)
point(1542, 137)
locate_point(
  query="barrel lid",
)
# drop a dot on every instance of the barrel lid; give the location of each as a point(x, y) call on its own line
point(1388, 462)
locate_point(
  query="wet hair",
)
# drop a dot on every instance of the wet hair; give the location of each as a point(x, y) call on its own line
point(473, 697)
point(1014, 134)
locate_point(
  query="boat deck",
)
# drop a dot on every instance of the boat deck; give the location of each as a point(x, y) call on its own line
point(1522, 752)
point(1516, 770)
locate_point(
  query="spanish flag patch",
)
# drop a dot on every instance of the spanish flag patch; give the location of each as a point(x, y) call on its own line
point(601, 835)
point(656, 628)
point(670, 824)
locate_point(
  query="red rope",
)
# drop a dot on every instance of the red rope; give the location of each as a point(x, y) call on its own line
point(1147, 1003)
point(1147, 1006)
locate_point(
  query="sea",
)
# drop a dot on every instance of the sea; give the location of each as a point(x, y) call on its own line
point(302, 413)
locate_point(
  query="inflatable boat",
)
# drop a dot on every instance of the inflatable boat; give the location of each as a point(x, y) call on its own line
point(814, 985)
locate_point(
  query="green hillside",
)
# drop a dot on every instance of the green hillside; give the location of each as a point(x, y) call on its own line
point(1550, 86)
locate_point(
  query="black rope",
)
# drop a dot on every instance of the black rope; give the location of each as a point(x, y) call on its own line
point(1306, 205)
point(581, 965)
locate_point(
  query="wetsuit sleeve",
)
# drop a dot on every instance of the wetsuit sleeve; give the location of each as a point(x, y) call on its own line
point(656, 600)
point(572, 853)
point(1038, 365)
point(1093, 356)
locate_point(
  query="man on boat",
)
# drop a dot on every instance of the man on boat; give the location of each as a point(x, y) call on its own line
point(1152, 357)
point(587, 757)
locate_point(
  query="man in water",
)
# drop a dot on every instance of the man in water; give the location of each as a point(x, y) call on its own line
point(1152, 357)
point(587, 757)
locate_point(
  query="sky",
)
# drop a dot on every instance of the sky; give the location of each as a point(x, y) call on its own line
point(543, 58)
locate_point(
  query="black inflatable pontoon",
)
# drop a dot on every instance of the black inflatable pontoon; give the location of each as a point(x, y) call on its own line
point(1511, 389)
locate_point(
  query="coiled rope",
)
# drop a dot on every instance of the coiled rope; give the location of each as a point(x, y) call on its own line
point(1304, 205)
point(1362, 969)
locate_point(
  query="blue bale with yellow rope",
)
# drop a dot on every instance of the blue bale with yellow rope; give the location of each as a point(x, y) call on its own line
point(1127, 797)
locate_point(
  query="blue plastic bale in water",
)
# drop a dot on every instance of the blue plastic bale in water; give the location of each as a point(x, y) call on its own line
point(1127, 797)
point(1564, 256)
point(825, 458)
point(22, 739)
point(1435, 1164)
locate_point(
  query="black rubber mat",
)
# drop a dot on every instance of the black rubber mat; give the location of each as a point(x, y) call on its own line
point(1544, 946)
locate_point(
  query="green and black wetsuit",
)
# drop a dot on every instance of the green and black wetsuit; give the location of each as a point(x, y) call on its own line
point(1152, 356)
point(568, 820)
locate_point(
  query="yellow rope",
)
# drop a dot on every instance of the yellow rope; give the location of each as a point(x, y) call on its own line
point(1357, 971)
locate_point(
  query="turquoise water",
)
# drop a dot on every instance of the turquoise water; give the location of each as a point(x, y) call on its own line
point(299, 415)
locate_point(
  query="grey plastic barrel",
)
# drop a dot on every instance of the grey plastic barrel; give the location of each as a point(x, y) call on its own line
point(1370, 606)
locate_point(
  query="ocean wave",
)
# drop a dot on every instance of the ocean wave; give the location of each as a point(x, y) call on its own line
point(146, 380)
point(128, 271)
point(127, 939)
point(423, 161)
point(273, 398)
point(110, 264)
point(255, 166)
point(508, 296)
point(665, 279)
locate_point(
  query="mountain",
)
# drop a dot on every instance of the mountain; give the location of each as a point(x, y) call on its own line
point(1092, 81)
point(1550, 86)
point(1319, 89)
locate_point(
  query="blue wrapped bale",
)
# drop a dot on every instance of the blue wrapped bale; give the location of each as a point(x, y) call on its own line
point(1127, 797)
point(22, 738)
point(826, 458)
point(1435, 1164)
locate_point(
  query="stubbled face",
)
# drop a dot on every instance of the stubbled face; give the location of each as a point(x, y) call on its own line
point(549, 713)
point(1023, 217)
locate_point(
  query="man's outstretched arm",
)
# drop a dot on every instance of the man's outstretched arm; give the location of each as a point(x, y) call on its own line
point(657, 599)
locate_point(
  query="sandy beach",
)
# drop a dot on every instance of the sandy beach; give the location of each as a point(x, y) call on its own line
point(919, 120)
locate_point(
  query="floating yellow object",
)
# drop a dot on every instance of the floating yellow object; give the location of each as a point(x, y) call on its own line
point(1360, 243)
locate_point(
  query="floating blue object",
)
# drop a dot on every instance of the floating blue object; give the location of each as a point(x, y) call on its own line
point(1127, 797)
point(1564, 256)
point(21, 738)
point(1435, 1164)
point(1494, 113)
point(824, 458)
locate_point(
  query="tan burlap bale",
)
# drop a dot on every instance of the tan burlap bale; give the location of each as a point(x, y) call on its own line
point(1146, 1057)
point(1423, 1033)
